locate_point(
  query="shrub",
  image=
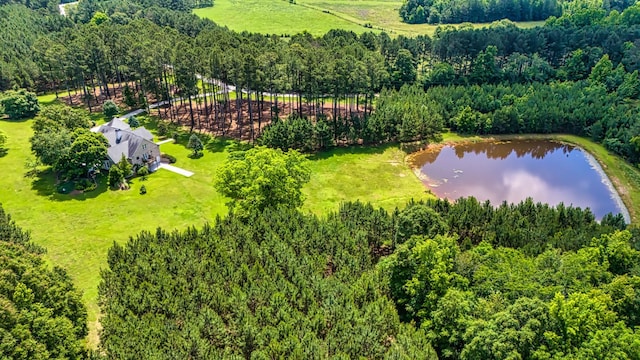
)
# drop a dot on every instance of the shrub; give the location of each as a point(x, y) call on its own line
point(19, 104)
point(85, 185)
point(65, 187)
point(133, 122)
point(172, 159)
point(3, 141)
point(163, 128)
point(143, 190)
point(110, 109)
point(195, 144)
point(129, 97)
point(143, 172)
point(116, 177)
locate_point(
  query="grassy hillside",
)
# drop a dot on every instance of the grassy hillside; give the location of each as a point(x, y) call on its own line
point(315, 16)
point(78, 230)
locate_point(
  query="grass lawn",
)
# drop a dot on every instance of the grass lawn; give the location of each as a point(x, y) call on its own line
point(317, 16)
point(78, 230)
point(375, 174)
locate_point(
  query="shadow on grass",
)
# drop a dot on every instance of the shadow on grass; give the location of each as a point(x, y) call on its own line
point(5, 119)
point(149, 122)
point(3, 152)
point(218, 144)
point(45, 184)
point(351, 150)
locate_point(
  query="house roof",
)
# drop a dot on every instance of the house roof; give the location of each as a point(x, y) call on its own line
point(143, 133)
point(115, 152)
point(123, 141)
point(117, 123)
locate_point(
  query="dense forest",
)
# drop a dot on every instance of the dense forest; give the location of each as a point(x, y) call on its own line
point(469, 279)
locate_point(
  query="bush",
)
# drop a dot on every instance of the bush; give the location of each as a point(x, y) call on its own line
point(195, 144)
point(143, 190)
point(19, 104)
point(85, 185)
point(143, 172)
point(129, 97)
point(163, 128)
point(172, 159)
point(133, 122)
point(110, 109)
point(3, 141)
point(116, 177)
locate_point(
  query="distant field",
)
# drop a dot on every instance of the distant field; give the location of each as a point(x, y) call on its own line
point(316, 16)
point(274, 17)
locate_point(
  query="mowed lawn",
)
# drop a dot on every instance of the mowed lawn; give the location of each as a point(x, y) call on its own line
point(317, 16)
point(78, 230)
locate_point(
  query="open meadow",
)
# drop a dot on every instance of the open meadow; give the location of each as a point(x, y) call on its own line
point(78, 230)
point(317, 17)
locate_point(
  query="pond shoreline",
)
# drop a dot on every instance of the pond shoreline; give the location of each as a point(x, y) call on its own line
point(615, 169)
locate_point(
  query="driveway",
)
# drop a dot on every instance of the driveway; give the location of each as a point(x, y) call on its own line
point(176, 170)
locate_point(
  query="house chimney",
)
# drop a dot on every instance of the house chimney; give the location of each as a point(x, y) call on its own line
point(118, 136)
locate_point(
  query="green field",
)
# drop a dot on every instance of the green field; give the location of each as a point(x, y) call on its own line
point(316, 16)
point(78, 230)
point(273, 17)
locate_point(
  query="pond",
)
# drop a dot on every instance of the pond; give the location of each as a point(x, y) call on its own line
point(547, 171)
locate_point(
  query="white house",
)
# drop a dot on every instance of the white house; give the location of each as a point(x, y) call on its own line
point(137, 145)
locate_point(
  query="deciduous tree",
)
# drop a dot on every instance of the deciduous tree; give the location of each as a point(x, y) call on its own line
point(263, 178)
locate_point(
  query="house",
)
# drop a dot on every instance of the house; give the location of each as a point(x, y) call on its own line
point(136, 144)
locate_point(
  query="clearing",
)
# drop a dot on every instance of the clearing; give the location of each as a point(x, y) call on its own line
point(317, 17)
point(78, 230)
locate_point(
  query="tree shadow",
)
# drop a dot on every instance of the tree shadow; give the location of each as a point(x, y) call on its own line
point(45, 184)
point(218, 144)
point(149, 122)
point(6, 119)
point(3, 152)
point(197, 155)
point(351, 150)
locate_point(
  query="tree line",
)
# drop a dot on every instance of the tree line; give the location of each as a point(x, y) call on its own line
point(484, 11)
point(455, 12)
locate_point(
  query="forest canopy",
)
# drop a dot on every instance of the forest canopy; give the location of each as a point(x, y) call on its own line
point(282, 284)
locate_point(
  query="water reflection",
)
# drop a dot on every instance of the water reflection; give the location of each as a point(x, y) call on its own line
point(546, 171)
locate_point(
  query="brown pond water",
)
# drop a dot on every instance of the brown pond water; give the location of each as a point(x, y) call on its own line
point(547, 171)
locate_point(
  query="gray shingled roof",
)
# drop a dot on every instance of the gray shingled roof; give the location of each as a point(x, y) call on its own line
point(115, 152)
point(143, 133)
point(118, 124)
point(123, 141)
